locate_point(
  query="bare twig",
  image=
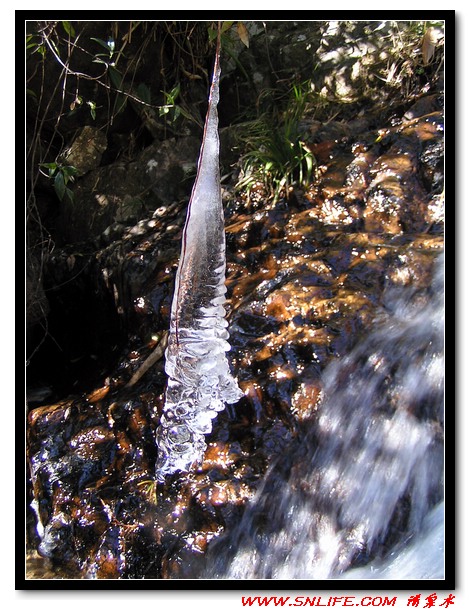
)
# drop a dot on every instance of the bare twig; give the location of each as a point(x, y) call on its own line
point(150, 361)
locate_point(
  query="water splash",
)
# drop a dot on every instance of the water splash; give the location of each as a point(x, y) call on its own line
point(363, 489)
point(199, 381)
point(421, 559)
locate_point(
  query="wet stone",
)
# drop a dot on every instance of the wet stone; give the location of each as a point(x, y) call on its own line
point(305, 280)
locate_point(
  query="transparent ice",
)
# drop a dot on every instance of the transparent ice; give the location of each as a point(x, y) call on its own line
point(199, 379)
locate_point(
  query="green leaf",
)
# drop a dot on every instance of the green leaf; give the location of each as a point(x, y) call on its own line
point(92, 106)
point(309, 163)
point(52, 167)
point(226, 25)
point(30, 42)
point(174, 92)
point(56, 48)
point(212, 34)
point(104, 44)
point(69, 194)
point(41, 49)
point(68, 27)
point(143, 93)
point(170, 96)
point(34, 42)
point(69, 172)
point(120, 103)
point(59, 185)
point(115, 76)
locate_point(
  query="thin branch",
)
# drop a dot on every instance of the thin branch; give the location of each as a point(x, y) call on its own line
point(150, 361)
point(96, 78)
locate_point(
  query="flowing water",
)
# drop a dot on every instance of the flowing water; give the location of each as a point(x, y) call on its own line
point(331, 464)
point(360, 493)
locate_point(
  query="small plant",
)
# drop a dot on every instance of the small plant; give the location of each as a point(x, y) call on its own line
point(277, 156)
point(61, 176)
point(148, 489)
point(170, 110)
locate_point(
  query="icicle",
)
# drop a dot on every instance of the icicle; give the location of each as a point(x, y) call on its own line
point(199, 377)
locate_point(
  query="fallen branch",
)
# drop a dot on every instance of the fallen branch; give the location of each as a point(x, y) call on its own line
point(150, 360)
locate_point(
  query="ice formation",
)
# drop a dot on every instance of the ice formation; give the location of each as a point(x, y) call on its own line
point(199, 379)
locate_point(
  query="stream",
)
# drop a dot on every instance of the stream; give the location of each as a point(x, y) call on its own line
point(330, 466)
point(366, 478)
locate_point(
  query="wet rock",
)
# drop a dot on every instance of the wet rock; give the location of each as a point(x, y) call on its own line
point(306, 279)
point(425, 106)
point(432, 165)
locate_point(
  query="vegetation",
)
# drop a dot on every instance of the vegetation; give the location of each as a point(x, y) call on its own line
point(80, 72)
point(411, 51)
point(61, 176)
point(119, 77)
point(147, 81)
point(139, 82)
point(276, 156)
point(101, 76)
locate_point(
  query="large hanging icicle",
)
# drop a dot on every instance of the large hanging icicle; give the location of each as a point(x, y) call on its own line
point(199, 379)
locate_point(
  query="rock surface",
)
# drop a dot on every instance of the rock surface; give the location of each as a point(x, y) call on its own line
point(305, 280)
point(306, 277)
